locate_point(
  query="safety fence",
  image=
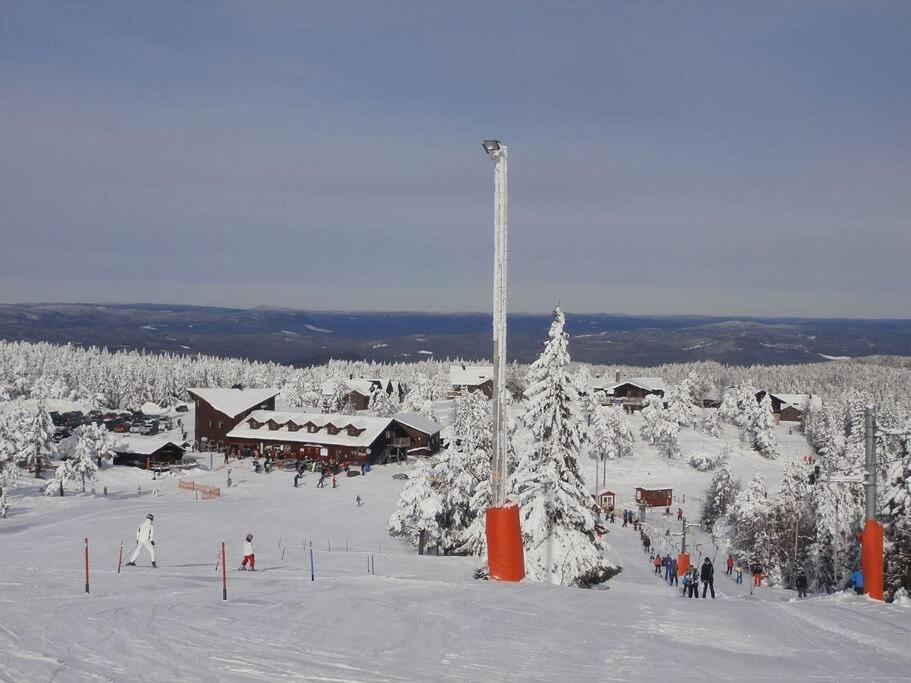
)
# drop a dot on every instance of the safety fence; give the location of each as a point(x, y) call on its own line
point(202, 491)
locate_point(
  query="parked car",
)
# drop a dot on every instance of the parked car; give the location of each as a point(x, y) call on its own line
point(136, 428)
point(149, 430)
point(122, 428)
point(109, 416)
point(56, 418)
point(182, 408)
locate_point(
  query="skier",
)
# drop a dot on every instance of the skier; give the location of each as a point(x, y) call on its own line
point(730, 565)
point(693, 586)
point(667, 567)
point(857, 578)
point(297, 476)
point(801, 584)
point(707, 575)
point(256, 466)
point(679, 514)
point(333, 481)
point(358, 500)
point(673, 580)
point(658, 562)
point(687, 578)
point(322, 478)
point(625, 518)
point(756, 571)
point(739, 571)
point(612, 517)
point(145, 538)
point(248, 554)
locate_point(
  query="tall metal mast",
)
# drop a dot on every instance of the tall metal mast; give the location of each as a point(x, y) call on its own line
point(497, 151)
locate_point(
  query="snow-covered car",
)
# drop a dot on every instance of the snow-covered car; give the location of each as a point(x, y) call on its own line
point(136, 428)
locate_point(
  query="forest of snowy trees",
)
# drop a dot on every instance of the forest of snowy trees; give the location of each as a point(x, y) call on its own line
point(554, 424)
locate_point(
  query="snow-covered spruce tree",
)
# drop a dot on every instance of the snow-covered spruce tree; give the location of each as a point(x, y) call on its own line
point(666, 438)
point(558, 514)
point(418, 511)
point(719, 497)
point(897, 506)
point(680, 406)
point(791, 520)
point(9, 470)
point(35, 437)
point(761, 427)
point(94, 443)
point(382, 404)
point(749, 518)
point(419, 397)
point(711, 425)
point(621, 439)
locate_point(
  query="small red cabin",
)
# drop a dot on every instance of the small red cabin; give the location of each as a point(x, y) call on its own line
point(659, 497)
point(606, 499)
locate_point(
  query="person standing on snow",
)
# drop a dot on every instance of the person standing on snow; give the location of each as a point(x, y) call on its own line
point(145, 538)
point(801, 584)
point(739, 571)
point(730, 565)
point(674, 568)
point(659, 562)
point(667, 567)
point(707, 576)
point(857, 578)
point(248, 554)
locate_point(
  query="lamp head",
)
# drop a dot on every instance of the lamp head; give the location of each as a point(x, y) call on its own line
point(491, 147)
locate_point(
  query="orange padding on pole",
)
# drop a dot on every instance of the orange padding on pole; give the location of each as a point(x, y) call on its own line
point(505, 554)
point(683, 563)
point(871, 558)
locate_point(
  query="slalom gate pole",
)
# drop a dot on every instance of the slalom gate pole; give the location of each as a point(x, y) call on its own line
point(86, 566)
point(224, 574)
point(120, 558)
point(312, 573)
point(283, 554)
point(368, 564)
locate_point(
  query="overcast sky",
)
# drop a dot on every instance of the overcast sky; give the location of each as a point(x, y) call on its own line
point(675, 157)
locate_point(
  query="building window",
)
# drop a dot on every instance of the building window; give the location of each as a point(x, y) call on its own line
point(210, 424)
point(219, 424)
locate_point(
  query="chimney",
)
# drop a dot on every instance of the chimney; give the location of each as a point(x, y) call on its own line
point(617, 376)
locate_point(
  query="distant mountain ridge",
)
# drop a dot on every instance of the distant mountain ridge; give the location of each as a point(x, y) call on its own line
point(312, 337)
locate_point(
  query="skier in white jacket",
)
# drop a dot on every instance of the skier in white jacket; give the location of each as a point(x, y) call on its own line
point(145, 538)
point(248, 554)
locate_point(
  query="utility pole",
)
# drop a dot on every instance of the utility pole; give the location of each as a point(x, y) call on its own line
point(872, 536)
point(505, 553)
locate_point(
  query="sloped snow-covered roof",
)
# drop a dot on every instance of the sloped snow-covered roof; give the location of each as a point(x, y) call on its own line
point(372, 427)
point(232, 402)
point(419, 422)
point(469, 375)
point(142, 445)
point(647, 383)
point(150, 408)
point(800, 401)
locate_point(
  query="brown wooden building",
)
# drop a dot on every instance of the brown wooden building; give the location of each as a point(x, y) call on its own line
point(361, 389)
point(655, 497)
point(423, 432)
point(320, 436)
point(631, 393)
point(470, 378)
point(218, 411)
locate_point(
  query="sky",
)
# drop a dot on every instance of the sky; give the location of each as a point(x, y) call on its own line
point(728, 158)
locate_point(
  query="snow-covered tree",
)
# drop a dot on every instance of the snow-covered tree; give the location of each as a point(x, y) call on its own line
point(719, 497)
point(749, 517)
point(34, 433)
point(897, 506)
point(94, 443)
point(711, 425)
point(558, 514)
point(761, 427)
point(9, 469)
point(418, 512)
point(620, 435)
point(666, 438)
point(681, 409)
point(382, 404)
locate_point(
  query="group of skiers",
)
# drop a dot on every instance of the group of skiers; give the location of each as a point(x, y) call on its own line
point(669, 567)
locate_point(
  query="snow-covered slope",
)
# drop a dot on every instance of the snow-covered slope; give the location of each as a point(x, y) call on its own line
point(416, 619)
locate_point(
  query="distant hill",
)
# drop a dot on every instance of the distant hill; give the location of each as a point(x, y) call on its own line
point(312, 337)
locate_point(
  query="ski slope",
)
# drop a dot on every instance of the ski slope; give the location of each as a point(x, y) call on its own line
point(416, 619)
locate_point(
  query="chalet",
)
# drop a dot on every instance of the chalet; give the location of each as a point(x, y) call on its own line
point(790, 407)
point(654, 497)
point(218, 411)
point(320, 436)
point(631, 393)
point(423, 432)
point(711, 398)
point(360, 390)
point(145, 452)
point(470, 378)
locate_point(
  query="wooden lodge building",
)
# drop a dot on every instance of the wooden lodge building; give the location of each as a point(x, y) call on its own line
point(790, 407)
point(470, 378)
point(361, 389)
point(218, 411)
point(332, 437)
point(631, 393)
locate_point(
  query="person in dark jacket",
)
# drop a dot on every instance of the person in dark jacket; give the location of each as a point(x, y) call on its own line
point(707, 576)
point(673, 580)
point(693, 586)
point(801, 584)
point(667, 567)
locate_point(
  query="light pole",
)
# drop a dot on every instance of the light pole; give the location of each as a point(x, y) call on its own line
point(505, 554)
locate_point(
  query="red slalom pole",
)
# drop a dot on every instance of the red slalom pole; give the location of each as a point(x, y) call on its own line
point(120, 558)
point(224, 574)
point(86, 566)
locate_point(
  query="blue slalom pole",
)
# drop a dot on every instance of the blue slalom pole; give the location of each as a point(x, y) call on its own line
point(312, 574)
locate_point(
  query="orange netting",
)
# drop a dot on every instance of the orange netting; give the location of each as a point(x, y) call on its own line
point(505, 554)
